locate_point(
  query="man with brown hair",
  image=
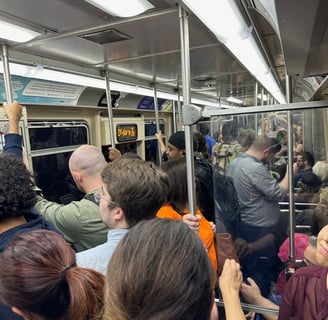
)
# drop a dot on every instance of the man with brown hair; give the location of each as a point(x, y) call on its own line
point(133, 190)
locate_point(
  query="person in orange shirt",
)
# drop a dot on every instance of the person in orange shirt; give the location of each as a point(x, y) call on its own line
point(177, 206)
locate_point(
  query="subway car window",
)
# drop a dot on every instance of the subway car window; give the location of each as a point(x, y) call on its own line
point(151, 145)
point(52, 144)
point(53, 177)
point(52, 136)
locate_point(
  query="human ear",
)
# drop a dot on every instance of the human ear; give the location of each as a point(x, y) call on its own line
point(25, 315)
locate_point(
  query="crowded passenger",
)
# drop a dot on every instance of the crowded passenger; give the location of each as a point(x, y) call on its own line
point(203, 171)
point(262, 228)
point(39, 279)
point(228, 148)
point(177, 206)
point(13, 139)
point(245, 139)
point(210, 142)
point(298, 148)
point(160, 270)
point(80, 221)
point(17, 195)
point(132, 190)
point(304, 165)
point(201, 145)
point(320, 169)
point(305, 294)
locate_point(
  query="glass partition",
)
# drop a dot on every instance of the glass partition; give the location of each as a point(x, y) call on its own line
point(249, 164)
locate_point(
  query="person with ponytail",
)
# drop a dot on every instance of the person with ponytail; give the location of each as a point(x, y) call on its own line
point(39, 280)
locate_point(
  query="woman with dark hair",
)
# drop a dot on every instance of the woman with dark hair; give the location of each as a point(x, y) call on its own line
point(160, 270)
point(39, 280)
point(17, 199)
point(177, 206)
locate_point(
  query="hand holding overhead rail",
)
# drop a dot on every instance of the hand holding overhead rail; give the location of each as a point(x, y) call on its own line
point(13, 111)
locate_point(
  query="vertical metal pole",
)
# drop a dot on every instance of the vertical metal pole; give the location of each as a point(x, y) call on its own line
point(256, 89)
point(179, 111)
point(186, 82)
point(6, 74)
point(290, 172)
point(174, 116)
point(159, 152)
point(110, 111)
point(262, 115)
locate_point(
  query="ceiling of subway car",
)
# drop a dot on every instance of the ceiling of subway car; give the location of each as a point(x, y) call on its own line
point(144, 49)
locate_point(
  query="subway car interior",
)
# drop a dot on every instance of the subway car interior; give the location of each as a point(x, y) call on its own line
point(89, 75)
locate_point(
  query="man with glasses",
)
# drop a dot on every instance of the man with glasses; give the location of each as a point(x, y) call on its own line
point(133, 190)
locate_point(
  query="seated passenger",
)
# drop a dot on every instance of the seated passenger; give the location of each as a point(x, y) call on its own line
point(132, 190)
point(177, 206)
point(304, 164)
point(164, 259)
point(321, 170)
point(305, 295)
point(80, 221)
point(39, 279)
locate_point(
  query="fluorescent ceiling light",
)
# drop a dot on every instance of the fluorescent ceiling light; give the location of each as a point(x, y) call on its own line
point(228, 25)
point(122, 8)
point(234, 100)
point(16, 33)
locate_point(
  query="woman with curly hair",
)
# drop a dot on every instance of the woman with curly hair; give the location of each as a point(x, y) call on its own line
point(17, 199)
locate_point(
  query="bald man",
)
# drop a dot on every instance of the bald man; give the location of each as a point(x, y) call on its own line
point(80, 221)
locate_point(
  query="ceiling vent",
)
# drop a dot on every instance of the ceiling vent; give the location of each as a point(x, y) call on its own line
point(106, 36)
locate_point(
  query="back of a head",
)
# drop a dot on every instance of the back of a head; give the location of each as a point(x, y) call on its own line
point(264, 142)
point(199, 144)
point(159, 270)
point(281, 134)
point(176, 170)
point(138, 187)
point(229, 131)
point(87, 159)
point(204, 128)
point(246, 138)
point(17, 197)
point(38, 274)
point(321, 170)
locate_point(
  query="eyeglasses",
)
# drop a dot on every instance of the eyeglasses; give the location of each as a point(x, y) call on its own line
point(99, 194)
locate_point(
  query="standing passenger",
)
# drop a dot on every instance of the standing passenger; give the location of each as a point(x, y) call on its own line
point(258, 195)
point(39, 279)
point(132, 190)
point(160, 270)
point(205, 131)
point(80, 221)
point(177, 206)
